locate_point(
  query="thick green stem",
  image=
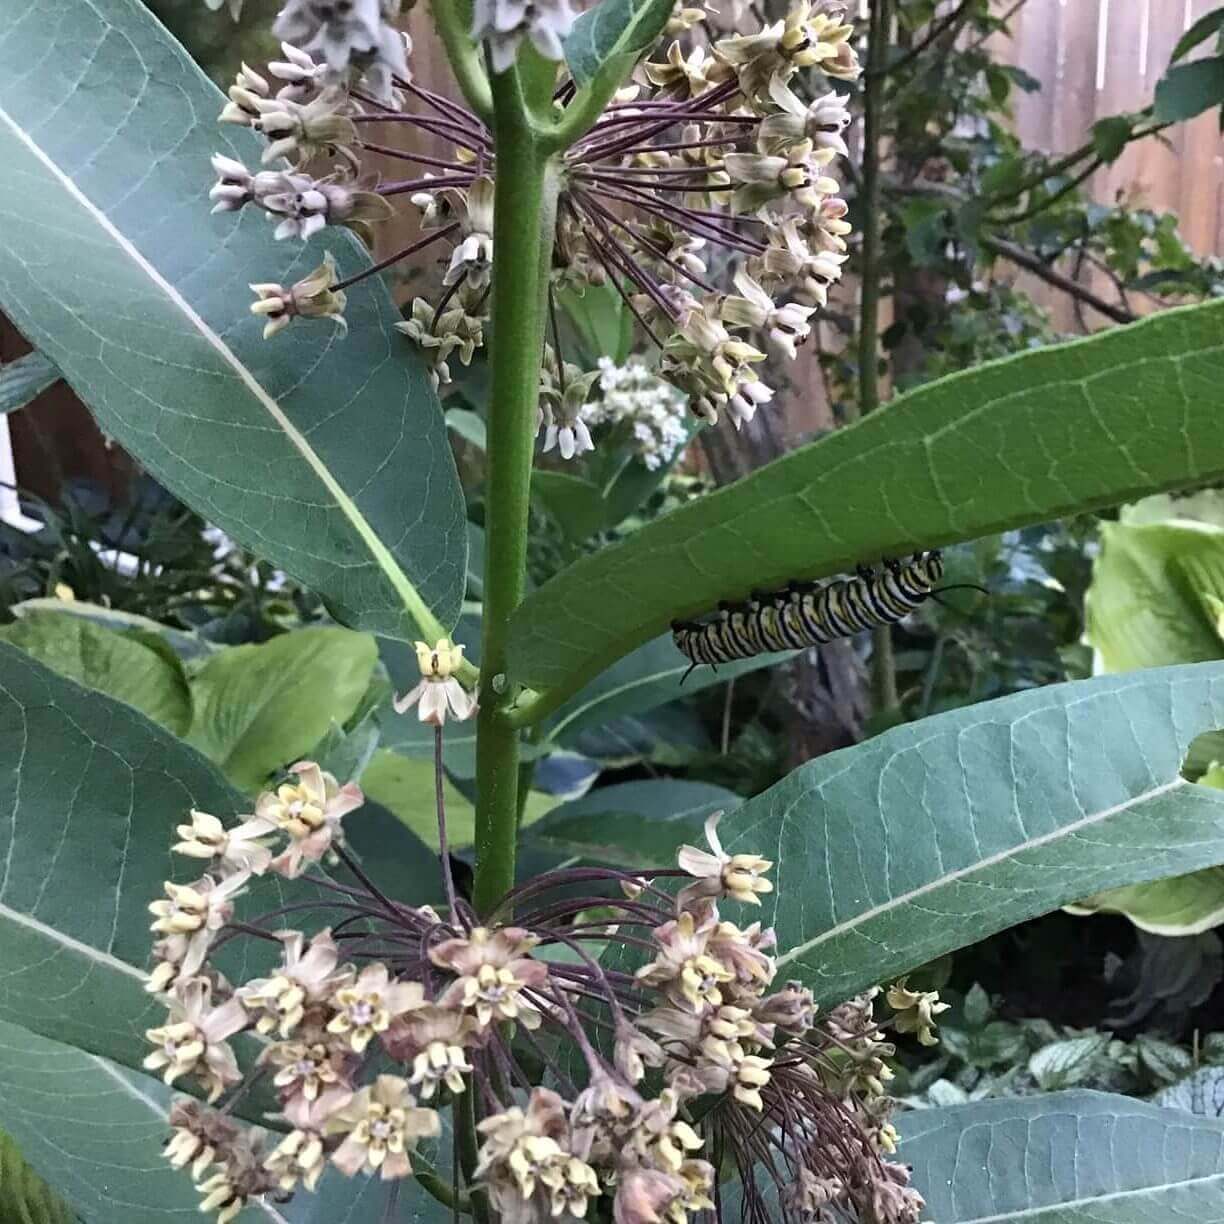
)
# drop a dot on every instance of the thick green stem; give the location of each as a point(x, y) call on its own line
point(524, 217)
point(883, 672)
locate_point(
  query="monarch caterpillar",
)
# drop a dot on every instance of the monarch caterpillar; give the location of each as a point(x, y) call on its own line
point(808, 614)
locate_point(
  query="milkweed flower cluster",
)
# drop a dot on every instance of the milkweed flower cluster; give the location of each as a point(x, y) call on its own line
point(373, 1015)
point(703, 193)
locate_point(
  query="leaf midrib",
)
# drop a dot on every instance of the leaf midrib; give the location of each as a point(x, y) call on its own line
point(382, 556)
point(980, 865)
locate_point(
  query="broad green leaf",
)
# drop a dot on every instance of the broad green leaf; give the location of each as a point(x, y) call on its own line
point(1066, 1158)
point(607, 39)
point(1024, 440)
point(1110, 137)
point(1207, 25)
point(1189, 89)
point(90, 791)
point(635, 824)
point(24, 1197)
point(1201, 1093)
point(647, 678)
point(326, 455)
point(119, 665)
point(23, 379)
point(96, 1130)
point(260, 708)
point(937, 834)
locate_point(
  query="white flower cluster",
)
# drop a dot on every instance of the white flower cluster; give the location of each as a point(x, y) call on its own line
point(651, 407)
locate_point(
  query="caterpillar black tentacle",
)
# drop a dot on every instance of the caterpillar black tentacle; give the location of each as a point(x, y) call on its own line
point(804, 614)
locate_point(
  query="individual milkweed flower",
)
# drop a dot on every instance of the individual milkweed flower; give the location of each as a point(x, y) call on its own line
point(232, 851)
point(432, 1039)
point(571, 1185)
point(791, 1009)
point(309, 809)
point(916, 1011)
point(689, 976)
point(473, 257)
point(238, 1179)
point(739, 876)
point(307, 1069)
point(822, 121)
point(244, 97)
point(348, 34)
point(493, 968)
point(302, 131)
point(785, 327)
point(301, 1156)
point(381, 1125)
point(366, 1007)
point(199, 1136)
point(504, 24)
point(317, 296)
point(193, 1041)
point(633, 1052)
point(306, 977)
point(564, 410)
point(298, 70)
point(190, 916)
point(308, 204)
point(439, 690)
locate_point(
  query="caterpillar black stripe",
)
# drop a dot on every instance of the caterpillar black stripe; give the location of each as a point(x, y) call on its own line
point(808, 613)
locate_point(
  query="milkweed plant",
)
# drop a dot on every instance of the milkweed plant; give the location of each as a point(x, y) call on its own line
point(688, 1020)
point(700, 185)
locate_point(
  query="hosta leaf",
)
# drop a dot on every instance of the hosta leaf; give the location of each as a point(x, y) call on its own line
point(116, 664)
point(1024, 440)
point(937, 834)
point(326, 455)
point(96, 1131)
point(1066, 1158)
point(608, 38)
point(90, 791)
point(23, 379)
point(260, 708)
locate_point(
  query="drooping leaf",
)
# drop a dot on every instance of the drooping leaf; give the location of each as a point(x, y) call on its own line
point(468, 425)
point(642, 680)
point(1183, 905)
point(326, 455)
point(1122, 414)
point(608, 38)
point(1189, 89)
point(117, 664)
point(576, 504)
point(1198, 33)
point(634, 824)
point(90, 792)
point(259, 708)
point(1066, 1158)
point(188, 646)
point(96, 1130)
point(934, 835)
point(23, 379)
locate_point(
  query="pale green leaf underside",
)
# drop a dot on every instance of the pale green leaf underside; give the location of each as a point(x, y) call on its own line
point(612, 34)
point(23, 379)
point(327, 456)
point(1067, 1158)
point(936, 834)
point(1025, 440)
